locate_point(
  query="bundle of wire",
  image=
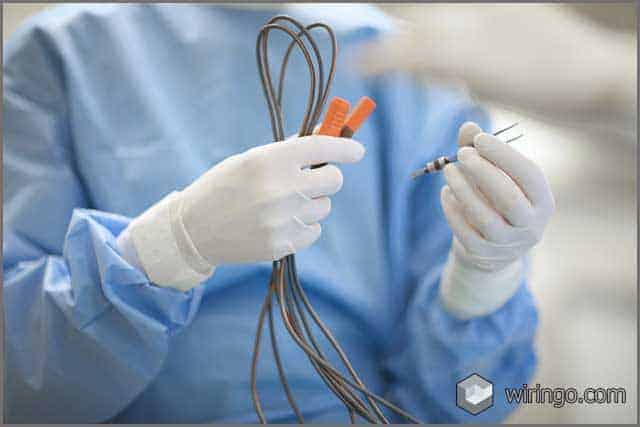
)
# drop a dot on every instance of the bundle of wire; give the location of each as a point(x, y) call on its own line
point(285, 291)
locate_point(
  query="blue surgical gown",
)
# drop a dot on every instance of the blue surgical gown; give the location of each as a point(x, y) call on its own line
point(107, 108)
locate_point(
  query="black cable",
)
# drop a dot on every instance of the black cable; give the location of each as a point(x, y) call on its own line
point(327, 333)
point(352, 405)
point(284, 287)
point(256, 354)
point(325, 364)
point(281, 373)
point(351, 401)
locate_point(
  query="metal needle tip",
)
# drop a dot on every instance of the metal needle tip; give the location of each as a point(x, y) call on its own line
point(506, 129)
point(514, 138)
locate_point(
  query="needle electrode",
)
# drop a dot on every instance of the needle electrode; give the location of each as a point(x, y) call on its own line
point(439, 163)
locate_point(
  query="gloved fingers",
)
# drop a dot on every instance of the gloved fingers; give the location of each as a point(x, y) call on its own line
point(503, 194)
point(305, 235)
point(282, 249)
point(522, 170)
point(475, 207)
point(299, 236)
point(316, 149)
point(474, 243)
point(324, 181)
point(454, 212)
point(466, 133)
point(315, 210)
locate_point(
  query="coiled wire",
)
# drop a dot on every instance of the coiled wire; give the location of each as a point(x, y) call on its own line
point(296, 312)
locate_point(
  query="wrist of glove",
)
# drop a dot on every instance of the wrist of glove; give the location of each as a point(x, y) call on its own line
point(260, 205)
point(469, 291)
point(498, 204)
point(158, 243)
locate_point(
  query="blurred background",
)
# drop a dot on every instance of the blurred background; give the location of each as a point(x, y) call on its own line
point(568, 73)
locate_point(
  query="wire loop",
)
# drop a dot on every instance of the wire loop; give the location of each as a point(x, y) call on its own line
point(284, 288)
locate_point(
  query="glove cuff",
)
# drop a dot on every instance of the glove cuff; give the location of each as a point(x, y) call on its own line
point(164, 247)
point(467, 291)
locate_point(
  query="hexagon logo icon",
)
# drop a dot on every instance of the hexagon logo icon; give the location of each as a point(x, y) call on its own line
point(474, 394)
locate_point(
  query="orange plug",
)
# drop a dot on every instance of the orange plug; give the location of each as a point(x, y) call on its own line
point(335, 117)
point(334, 120)
point(363, 110)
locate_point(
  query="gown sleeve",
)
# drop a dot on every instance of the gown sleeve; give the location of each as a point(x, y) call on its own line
point(85, 332)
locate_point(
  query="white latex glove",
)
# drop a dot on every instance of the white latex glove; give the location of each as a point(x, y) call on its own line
point(260, 205)
point(497, 203)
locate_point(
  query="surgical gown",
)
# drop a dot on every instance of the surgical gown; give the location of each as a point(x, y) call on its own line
point(107, 108)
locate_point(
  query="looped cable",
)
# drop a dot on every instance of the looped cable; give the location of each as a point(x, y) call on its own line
point(285, 289)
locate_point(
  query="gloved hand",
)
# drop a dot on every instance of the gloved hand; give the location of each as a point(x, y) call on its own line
point(259, 205)
point(497, 203)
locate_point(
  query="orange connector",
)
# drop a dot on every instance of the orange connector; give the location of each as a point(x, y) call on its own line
point(363, 110)
point(335, 117)
point(336, 122)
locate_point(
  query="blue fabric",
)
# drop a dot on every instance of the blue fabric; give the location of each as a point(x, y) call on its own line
point(107, 108)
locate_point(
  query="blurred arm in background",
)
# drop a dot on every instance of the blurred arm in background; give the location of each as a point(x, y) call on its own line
point(546, 60)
